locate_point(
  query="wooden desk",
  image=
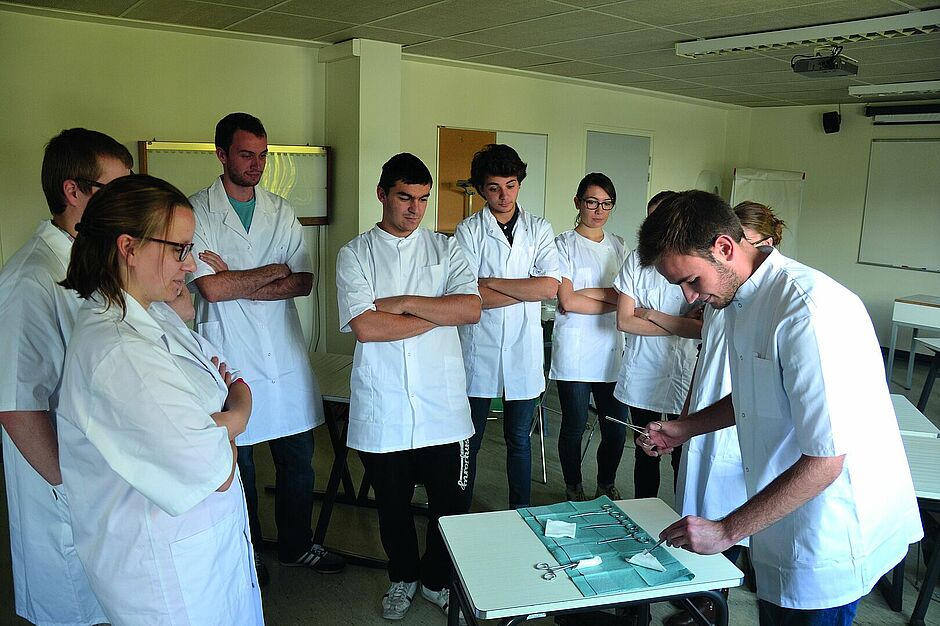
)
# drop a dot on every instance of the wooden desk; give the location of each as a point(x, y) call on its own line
point(915, 312)
point(934, 345)
point(493, 556)
point(910, 420)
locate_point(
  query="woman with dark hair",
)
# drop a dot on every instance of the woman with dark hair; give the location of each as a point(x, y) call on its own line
point(147, 422)
point(587, 348)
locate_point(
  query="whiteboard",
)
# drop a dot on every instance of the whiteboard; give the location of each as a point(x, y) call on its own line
point(901, 226)
point(298, 173)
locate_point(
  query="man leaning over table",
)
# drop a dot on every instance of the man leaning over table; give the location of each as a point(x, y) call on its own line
point(831, 506)
point(402, 291)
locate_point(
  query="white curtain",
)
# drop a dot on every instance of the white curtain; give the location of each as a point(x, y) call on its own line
point(781, 190)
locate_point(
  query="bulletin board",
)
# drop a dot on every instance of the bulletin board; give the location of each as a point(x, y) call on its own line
point(301, 174)
point(901, 225)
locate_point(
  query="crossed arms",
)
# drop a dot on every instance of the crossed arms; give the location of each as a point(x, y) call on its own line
point(401, 317)
point(268, 282)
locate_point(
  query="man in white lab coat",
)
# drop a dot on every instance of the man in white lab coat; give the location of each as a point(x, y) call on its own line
point(513, 255)
point(402, 290)
point(50, 585)
point(251, 262)
point(831, 506)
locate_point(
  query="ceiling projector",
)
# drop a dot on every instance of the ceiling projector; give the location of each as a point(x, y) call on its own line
point(825, 66)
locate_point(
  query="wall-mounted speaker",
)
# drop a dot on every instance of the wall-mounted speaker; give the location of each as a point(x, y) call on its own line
point(831, 122)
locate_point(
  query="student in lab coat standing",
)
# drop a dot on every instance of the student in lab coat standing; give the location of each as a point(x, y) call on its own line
point(251, 262)
point(831, 507)
point(657, 363)
point(513, 255)
point(587, 348)
point(147, 424)
point(402, 290)
point(49, 582)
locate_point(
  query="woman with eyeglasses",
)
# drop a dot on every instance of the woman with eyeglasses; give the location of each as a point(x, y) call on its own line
point(586, 346)
point(711, 476)
point(147, 423)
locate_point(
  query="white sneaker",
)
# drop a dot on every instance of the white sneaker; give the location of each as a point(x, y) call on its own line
point(441, 599)
point(397, 600)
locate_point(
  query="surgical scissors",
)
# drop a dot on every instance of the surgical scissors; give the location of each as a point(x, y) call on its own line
point(550, 570)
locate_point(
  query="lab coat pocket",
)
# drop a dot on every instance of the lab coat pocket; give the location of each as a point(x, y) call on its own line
point(211, 567)
point(764, 384)
point(363, 394)
point(566, 349)
point(455, 382)
point(429, 281)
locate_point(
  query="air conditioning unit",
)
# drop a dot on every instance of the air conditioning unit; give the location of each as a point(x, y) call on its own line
point(904, 114)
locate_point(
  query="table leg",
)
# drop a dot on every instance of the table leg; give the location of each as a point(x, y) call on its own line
point(459, 602)
point(928, 383)
point(893, 592)
point(927, 587)
point(889, 366)
point(721, 608)
point(910, 359)
point(337, 472)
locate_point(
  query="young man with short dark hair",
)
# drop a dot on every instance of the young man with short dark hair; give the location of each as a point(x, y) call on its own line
point(831, 505)
point(402, 290)
point(251, 262)
point(513, 255)
point(49, 582)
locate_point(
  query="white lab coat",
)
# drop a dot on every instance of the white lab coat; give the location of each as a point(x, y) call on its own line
point(504, 353)
point(711, 475)
point(656, 371)
point(410, 393)
point(49, 582)
point(142, 459)
point(587, 348)
point(263, 338)
point(808, 378)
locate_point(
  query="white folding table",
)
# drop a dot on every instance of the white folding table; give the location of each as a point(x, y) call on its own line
point(919, 311)
point(494, 554)
point(910, 420)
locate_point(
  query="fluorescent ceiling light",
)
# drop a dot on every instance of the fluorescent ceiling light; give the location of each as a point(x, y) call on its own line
point(913, 23)
point(895, 89)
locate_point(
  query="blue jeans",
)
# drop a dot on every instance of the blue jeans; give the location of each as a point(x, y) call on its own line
point(517, 420)
point(574, 398)
point(773, 615)
point(293, 493)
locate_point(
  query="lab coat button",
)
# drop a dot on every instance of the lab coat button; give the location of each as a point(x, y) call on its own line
point(747, 469)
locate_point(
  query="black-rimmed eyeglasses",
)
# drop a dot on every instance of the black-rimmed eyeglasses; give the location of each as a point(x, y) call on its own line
point(89, 182)
point(591, 204)
point(182, 248)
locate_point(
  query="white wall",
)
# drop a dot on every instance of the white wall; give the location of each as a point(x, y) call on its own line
point(686, 138)
point(836, 166)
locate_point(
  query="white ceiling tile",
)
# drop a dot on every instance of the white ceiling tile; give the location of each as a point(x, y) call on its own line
point(610, 45)
point(580, 69)
point(796, 17)
point(451, 49)
point(454, 17)
point(188, 13)
point(668, 12)
point(551, 29)
point(514, 58)
point(97, 7)
point(358, 12)
point(283, 25)
point(746, 65)
point(371, 32)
